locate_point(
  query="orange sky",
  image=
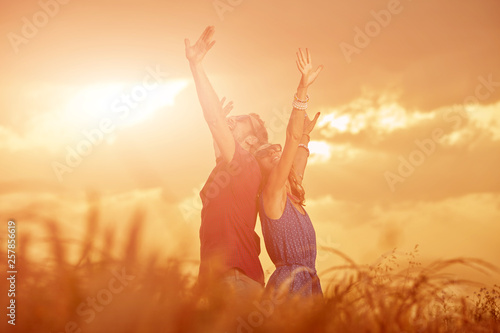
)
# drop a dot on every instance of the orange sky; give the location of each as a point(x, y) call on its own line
point(414, 81)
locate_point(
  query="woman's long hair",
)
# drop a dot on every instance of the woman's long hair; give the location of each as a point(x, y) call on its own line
point(297, 189)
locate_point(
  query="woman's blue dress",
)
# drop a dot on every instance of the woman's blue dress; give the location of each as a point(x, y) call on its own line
point(291, 244)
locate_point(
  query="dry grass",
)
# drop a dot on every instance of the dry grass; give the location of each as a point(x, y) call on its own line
point(63, 295)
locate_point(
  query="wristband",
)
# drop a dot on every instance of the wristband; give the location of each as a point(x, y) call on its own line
point(299, 105)
point(305, 147)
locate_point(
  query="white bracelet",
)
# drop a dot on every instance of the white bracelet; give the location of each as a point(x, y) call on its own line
point(299, 105)
point(305, 147)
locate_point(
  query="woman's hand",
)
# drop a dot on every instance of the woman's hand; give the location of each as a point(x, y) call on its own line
point(309, 124)
point(304, 65)
point(196, 52)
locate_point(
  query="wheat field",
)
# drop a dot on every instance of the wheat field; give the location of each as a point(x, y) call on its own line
point(100, 285)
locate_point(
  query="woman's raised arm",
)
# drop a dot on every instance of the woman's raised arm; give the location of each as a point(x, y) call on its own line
point(302, 154)
point(277, 178)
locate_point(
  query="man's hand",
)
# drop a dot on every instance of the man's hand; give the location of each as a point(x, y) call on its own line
point(304, 64)
point(213, 108)
point(226, 109)
point(196, 52)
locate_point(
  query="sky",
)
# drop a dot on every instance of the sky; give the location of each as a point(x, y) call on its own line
point(97, 97)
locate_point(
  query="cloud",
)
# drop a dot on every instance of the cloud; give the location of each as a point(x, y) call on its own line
point(377, 152)
point(453, 227)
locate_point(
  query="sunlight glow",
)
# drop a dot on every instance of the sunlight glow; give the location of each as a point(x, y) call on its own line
point(128, 103)
point(360, 115)
point(320, 150)
point(392, 117)
point(163, 96)
point(323, 152)
point(92, 101)
point(66, 111)
point(339, 123)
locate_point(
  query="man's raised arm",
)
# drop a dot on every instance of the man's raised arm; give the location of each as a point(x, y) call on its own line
point(210, 103)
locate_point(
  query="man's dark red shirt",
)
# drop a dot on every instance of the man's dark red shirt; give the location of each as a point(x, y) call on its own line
point(228, 217)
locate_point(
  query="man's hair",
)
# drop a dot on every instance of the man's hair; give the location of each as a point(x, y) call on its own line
point(260, 131)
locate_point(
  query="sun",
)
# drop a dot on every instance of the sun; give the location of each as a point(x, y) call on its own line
point(68, 111)
point(126, 103)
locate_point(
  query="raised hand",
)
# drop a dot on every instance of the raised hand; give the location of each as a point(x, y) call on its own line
point(226, 109)
point(304, 65)
point(196, 52)
point(309, 124)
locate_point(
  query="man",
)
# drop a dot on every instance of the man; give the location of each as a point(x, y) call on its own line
point(230, 247)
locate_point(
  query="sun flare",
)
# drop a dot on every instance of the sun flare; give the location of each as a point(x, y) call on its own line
point(126, 103)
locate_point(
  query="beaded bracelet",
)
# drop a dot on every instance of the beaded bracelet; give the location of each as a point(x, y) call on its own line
point(299, 104)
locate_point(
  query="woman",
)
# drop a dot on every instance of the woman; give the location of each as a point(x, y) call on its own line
point(287, 229)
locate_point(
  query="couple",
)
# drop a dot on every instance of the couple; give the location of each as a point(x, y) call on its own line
point(253, 175)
